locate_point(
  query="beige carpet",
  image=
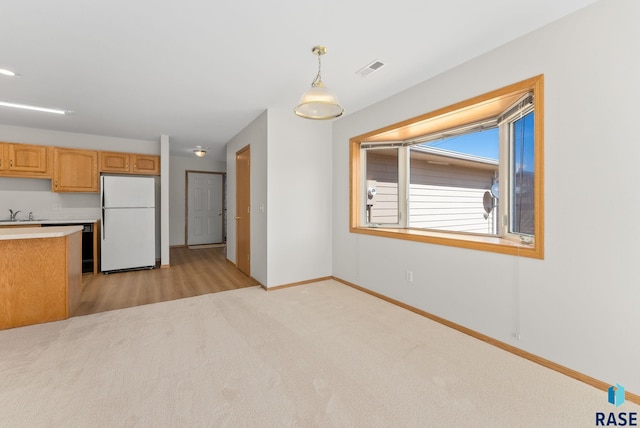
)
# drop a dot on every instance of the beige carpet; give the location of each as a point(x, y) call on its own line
point(319, 354)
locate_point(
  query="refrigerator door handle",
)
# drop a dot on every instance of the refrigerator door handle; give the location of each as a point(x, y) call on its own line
point(102, 205)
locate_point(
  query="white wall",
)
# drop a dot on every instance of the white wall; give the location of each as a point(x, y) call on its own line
point(177, 198)
point(254, 135)
point(580, 306)
point(290, 197)
point(299, 183)
point(16, 134)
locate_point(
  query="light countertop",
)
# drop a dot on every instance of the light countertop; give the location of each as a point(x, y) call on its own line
point(37, 232)
point(4, 222)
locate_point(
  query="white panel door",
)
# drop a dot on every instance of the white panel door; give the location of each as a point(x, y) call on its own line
point(205, 208)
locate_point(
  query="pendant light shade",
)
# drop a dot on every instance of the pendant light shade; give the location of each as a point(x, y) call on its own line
point(318, 102)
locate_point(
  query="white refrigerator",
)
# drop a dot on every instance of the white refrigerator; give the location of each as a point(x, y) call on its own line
point(128, 223)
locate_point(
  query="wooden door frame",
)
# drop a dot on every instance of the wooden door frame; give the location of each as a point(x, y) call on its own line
point(237, 155)
point(186, 202)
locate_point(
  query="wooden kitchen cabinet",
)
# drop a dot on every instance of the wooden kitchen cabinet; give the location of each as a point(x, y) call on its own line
point(145, 164)
point(2, 147)
point(26, 160)
point(129, 163)
point(41, 277)
point(114, 162)
point(75, 170)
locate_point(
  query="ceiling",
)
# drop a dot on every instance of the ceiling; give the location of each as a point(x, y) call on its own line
point(200, 71)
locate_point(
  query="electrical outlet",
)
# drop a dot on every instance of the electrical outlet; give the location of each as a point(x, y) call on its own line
point(410, 276)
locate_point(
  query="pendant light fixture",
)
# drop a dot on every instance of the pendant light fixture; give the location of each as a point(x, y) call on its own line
point(318, 102)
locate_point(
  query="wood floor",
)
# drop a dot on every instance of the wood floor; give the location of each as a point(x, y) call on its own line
point(192, 273)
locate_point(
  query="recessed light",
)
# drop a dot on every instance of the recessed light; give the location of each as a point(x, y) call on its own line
point(7, 72)
point(35, 108)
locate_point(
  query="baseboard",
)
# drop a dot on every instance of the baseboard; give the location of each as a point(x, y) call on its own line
point(596, 383)
point(250, 277)
point(164, 266)
point(294, 284)
point(178, 246)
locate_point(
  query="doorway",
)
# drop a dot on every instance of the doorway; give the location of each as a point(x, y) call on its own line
point(205, 212)
point(243, 210)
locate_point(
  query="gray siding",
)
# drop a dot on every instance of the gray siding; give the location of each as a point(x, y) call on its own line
point(448, 197)
point(442, 197)
point(382, 166)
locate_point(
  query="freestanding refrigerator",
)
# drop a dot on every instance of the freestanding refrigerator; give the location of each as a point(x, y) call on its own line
point(128, 223)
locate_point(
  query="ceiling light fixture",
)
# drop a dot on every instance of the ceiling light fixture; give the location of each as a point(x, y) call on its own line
point(199, 151)
point(318, 102)
point(35, 108)
point(7, 72)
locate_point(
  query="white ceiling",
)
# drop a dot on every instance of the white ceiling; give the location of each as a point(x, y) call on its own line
point(200, 71)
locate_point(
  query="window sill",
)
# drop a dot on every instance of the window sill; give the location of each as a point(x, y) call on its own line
point(460, 240)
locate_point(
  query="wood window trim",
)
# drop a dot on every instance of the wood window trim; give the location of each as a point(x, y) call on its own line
point(476, 108)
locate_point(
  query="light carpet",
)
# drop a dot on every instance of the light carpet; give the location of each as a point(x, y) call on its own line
point(319, 354)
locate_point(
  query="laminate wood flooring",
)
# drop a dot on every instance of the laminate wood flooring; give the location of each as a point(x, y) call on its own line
point(192, 273)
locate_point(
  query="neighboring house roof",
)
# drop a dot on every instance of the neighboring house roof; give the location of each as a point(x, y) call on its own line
point(443, 156)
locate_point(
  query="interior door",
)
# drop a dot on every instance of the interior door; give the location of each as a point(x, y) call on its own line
point(205, 196)
point(243, 210)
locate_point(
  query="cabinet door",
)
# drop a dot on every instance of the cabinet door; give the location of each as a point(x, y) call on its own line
point(28, 158)
point(75, 170)
point(114, 162)
point(145, 164)
point(2, 155)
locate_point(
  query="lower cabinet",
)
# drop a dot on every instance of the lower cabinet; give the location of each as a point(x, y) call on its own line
point(41, 279)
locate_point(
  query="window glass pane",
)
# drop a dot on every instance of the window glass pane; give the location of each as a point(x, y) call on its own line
point(522, 173)
point(382, 178)
point(450, 183)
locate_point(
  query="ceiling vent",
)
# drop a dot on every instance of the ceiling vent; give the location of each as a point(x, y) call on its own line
point(369, 68)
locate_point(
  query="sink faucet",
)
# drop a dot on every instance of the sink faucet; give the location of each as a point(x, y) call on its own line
point(13, 214)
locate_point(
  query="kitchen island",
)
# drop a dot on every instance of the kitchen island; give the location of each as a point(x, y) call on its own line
point(90, 236)
point(40, 274)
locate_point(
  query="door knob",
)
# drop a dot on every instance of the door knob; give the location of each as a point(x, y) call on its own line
point(237, 218)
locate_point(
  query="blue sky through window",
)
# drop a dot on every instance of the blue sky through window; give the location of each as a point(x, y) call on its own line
point(523, 143)
point(484, 143)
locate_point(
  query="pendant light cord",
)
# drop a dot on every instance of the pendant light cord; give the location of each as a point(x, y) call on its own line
point(318, 80)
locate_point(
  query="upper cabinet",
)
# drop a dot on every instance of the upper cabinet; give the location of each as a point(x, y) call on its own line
point(75, 170)
point(114, 162)
point(145, 164)
point(25, 160)
point(129, 163)
point(71, 170)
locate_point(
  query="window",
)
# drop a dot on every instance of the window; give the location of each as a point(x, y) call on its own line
point(469, 175)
